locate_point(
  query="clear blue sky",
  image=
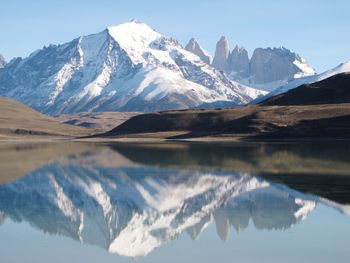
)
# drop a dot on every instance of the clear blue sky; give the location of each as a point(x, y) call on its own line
point(318, 30)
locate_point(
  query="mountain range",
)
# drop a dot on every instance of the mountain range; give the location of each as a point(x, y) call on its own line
point(132, 67)
point(267, 69)
point(128, 67)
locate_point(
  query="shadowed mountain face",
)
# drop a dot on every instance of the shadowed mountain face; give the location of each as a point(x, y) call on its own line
point(108, 197)
point(333, 90)
point(250, 122)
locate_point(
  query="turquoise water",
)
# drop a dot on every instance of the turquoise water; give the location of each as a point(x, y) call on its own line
point(176, 203)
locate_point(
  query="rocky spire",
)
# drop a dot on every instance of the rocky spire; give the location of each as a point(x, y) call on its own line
point(194, 47)
point(239, 62)
point(221, 54)
point(271, 65)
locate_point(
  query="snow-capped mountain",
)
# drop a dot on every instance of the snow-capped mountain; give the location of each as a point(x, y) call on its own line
point(342, 68)
point(131, 209)
point(128, 67)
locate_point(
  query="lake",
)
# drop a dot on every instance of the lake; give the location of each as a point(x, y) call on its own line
point(175, 202)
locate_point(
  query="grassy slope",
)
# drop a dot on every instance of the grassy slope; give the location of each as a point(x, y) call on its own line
point(267, 121)
point(17, 119)
point(101, 121)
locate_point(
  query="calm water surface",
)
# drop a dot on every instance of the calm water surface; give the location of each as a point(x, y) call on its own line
point(79, 202)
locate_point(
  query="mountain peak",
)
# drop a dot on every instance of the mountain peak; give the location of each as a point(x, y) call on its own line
point(239, 49)
point(222, 52)
point(223, 39)
point(194, 47)
point(239, 62)
point(192, 44)
point(134, 20)
point(132, 27)
point(134, 37)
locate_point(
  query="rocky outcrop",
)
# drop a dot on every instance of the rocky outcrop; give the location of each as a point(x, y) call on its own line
point(194, 47)
point(268, 68)
point(2, 61)
point(270, 65)
point(239, 62)
point(222, 53)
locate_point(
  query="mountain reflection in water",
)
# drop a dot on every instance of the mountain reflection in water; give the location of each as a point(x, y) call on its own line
point(129, 202)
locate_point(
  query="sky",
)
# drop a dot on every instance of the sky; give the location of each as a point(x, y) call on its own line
point(318, 30)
